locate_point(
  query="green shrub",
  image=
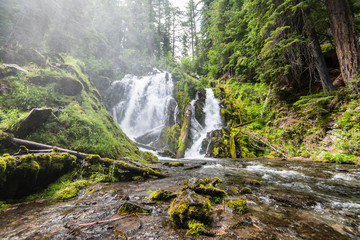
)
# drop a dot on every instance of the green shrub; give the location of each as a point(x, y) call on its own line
point(339, 158)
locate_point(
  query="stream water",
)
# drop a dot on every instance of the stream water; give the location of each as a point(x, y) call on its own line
point(296, 200)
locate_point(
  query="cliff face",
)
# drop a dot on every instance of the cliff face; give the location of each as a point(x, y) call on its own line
point(73, 114)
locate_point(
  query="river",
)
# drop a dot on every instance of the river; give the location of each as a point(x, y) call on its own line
point(295, 200)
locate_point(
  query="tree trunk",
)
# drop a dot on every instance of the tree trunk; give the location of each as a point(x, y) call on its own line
point(320, 61)
point(345, 38)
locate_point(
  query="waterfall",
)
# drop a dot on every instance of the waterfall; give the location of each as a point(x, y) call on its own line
point(144, 105)
point(212, 122)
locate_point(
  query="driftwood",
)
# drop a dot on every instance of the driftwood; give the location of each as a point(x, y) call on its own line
point(80, 155)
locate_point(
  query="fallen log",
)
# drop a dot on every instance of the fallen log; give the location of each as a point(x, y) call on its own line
point(122, 164)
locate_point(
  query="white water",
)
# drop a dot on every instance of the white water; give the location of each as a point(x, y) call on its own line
point(212, 122)
point(146, 103)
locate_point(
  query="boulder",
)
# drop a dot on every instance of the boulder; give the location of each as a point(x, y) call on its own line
point(33, 120)
point(68, 86)
point(189, 206)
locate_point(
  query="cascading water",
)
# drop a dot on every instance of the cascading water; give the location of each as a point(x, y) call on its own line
point(144, 105)
point(212, 122)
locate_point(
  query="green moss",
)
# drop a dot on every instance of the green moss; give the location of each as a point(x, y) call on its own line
point(138, 178)
point(197, 228)
point(169, 138)
point(128, 207)
point(209, 191)
point(236, 205)
point(232, 147)
point(28, 166)
point(71, 190)
point(93, 158)
point(2, 166)
point(174, 164)
point(23, 150)
point(161, 195)
point(183, 210)
point(245, 190)
point(216, 180)
point(67, 193)
point(149, 157)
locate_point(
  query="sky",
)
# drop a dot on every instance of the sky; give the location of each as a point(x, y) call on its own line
point(179, 3)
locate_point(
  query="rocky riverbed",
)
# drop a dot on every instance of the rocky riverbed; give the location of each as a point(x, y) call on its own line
point(289, 200)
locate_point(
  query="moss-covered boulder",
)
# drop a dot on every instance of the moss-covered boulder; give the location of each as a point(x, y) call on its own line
point(189, 206)
point(162, 196)
point(129, 207)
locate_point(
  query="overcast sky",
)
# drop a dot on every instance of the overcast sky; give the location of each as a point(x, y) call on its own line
point(179, 3)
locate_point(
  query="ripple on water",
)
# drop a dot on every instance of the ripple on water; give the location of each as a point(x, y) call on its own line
point(346, 176)
point(267, 172)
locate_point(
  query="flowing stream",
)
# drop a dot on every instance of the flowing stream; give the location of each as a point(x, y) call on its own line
point(295, 200)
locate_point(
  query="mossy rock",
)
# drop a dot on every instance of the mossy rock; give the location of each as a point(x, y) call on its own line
point(209, 191)
point(197, 228)
point(174, 164)
point(189, 206)
point(68, 86)
point(252, 182)
point(35, 118)
point(245, 190)
point(161, 196)
point(129, 207)
point(67, 193)
point(236, 205)
point(149, 157)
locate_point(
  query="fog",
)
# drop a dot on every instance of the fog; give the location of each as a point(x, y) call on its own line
point(130, 35)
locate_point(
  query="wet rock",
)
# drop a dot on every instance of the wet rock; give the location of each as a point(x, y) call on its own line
point(127, 227)
point(166, 153)
point(293, 201)
point(199, 108)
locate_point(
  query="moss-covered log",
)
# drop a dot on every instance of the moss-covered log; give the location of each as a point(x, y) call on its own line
point(122, 164)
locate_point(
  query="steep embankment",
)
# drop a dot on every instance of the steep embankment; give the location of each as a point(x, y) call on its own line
point(72, 116)
point(320, 126)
